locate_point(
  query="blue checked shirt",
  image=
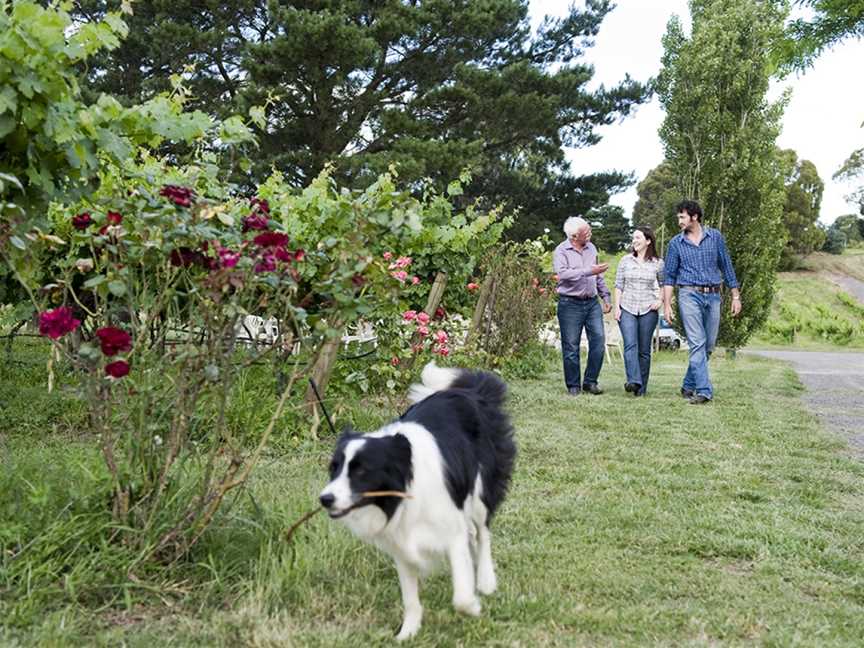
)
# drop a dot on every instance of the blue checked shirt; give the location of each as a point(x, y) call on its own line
point(706, 264)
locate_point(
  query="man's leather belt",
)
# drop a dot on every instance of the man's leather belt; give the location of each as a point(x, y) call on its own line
point(703, 289)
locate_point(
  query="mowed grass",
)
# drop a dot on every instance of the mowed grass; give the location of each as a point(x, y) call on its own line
point(629, 522)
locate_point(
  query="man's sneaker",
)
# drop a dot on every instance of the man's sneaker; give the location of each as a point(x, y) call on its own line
point(687, 393)
point(592, 388)
point(699, 399)
point(574, 391)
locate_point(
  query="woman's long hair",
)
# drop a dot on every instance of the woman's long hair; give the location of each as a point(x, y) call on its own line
point(651, 250)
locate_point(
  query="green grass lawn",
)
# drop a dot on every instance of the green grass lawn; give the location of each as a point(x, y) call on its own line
point(629, 522)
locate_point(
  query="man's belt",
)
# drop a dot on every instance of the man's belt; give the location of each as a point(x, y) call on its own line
point(703, 289)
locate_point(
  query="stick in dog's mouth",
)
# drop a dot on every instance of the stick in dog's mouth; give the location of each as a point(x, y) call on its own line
point(386, 493)
point(366, 496)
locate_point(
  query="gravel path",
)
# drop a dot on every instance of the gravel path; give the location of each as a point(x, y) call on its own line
point(850, 285)
point(835, 389)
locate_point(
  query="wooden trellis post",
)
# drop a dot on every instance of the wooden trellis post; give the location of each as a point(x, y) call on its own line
point(486, 290)
point(436, 294)
point(323, 368)
point(432, 303)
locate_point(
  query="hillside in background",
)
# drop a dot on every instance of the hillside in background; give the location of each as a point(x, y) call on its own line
point(821, 306)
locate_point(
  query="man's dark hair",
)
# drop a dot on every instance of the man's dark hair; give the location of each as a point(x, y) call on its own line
point(691, 207)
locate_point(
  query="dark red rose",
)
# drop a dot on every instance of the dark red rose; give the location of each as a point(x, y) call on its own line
point(299, 254)
point(259, 205)
point(255, 222)
point(57, 322)
point(266, 264)
point(114, 218)
point(228, 258)
point(186, 257)
point(181, 196)
point(440, 313)
point(114, 340)
point(284, 255)
point(358, 280)
point(82, 221)
point(271, 239)
point(117, 369)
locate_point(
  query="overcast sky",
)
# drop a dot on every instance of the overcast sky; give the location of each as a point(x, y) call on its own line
point(822, 122)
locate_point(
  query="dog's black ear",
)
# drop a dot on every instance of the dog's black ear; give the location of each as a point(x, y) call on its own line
point(400, 459)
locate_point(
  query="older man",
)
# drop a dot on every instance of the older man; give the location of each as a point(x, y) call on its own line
point(580, 281)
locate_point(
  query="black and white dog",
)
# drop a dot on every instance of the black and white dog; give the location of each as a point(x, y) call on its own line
point(452, 455)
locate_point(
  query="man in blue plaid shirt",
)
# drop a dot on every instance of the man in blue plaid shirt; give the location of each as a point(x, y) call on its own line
point(697, 262)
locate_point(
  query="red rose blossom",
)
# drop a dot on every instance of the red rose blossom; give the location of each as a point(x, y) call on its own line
point(228, 258)
point(266, 264)
point(114, 340)
point(271, 239)
point(185, 257)
point(259, 204)
point(117, 369)
point(82, 221)
point(255, 221)
point(57, 322)
point(114, 218)
point(181, 196)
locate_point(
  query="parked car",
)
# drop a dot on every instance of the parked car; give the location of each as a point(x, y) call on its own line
point(668, 337)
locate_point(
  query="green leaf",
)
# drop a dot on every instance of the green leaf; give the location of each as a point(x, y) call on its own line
point(117, 288)
point(8, 99)
point(95, 281)
point(258, 117)
point(18, 243)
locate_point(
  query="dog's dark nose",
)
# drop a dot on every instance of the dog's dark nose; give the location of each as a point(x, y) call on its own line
point(327, 500)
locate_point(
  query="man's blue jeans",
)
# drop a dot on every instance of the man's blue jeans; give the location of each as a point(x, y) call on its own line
point(636, 334)
point(700, 315)
point(574, 315)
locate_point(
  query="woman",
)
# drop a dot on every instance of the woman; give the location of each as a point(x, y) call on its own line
point(637, 301)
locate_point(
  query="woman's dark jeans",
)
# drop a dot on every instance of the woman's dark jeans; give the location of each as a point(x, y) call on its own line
point(636, 334)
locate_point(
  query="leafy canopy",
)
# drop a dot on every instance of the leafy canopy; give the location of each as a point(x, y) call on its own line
point(435, 87)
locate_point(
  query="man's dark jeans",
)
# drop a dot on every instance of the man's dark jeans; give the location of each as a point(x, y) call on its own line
point(636, 333)
point(574, 315)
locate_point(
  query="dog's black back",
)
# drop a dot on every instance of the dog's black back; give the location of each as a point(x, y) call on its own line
point(473, 432)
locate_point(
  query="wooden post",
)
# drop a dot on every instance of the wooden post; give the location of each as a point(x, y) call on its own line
point(323, 369)
point(436, 294)
point(473, 336)
point(432, 304)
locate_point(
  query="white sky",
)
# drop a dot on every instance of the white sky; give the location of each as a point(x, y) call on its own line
point(822, 122)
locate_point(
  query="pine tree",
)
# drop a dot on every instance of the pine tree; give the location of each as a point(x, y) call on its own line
point(435, 87)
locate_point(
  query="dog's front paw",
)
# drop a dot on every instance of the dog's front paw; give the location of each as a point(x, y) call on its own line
point(486, 582)
point(471, 607)
point(408, 630)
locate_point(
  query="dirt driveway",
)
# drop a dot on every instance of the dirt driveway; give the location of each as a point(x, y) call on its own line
point(835, 389)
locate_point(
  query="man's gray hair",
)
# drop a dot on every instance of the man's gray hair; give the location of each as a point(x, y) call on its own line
point(573, 225)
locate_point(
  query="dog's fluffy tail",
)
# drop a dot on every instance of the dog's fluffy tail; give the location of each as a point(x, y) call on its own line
point(434, 379)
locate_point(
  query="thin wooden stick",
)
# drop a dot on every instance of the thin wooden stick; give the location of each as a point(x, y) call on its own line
point(301, 521)
point(388, 493)
point(307, 516)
